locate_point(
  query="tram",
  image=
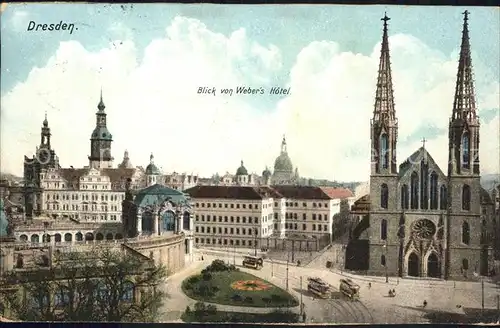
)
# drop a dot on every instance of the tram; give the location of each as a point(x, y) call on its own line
point(253, 262)
point(349, 289)
point(318, 287)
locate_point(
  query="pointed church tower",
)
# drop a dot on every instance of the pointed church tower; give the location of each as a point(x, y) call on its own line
point(100, 141)
point(384, 213)
point(464, 187)
point(384, 134)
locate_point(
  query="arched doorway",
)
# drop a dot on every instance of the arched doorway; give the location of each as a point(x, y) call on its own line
point(433, 270)
point(413, 265)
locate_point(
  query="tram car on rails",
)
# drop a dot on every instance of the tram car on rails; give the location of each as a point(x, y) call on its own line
point(319, 287)
point(253, 262)
point(349, 289)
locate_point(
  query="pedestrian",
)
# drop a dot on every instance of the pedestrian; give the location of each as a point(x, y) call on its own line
point(202, 258)
point(425, 303)
point(369, 285)
point(304, 317)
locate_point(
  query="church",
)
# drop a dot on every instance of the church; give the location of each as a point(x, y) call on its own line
point(418, 220)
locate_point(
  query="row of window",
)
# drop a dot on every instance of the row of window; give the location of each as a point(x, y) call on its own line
point(294, 216)
point(296, 204)
point(410, 198)
point(82, 207)
point(232, 231)
point(256, 206)
point(230, 219)
point(295, 226)
point(238, 205)
point(93, 197)
point(237, 242)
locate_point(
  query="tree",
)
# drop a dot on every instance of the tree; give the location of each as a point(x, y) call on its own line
point(101, 285)
point(341, 221)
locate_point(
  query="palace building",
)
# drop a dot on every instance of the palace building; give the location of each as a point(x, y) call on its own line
point(419, 220)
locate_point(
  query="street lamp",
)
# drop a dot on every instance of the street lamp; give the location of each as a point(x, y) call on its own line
point(385, 262)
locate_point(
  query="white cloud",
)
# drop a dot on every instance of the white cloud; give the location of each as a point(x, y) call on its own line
point(153, 105)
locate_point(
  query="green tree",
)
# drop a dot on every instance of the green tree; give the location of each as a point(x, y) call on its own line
point(101, 285)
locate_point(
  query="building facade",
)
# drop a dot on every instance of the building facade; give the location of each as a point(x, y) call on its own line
point(422, 221)
point(257, 217)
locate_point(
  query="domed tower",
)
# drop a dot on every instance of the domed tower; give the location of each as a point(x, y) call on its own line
point(152, 172)
point(126, 164)
point(266, 176)
point(241, 175)
point(283, 167)
point(100, 141)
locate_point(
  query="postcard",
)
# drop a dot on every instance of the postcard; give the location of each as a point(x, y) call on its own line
point(247, 163)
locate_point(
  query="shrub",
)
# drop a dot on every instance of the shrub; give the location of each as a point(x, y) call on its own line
point(276, 298)
point(188, 309)
point(211, 309)
point(248, 299)
point(200, 307)
point(193, 280)
point(207, 276)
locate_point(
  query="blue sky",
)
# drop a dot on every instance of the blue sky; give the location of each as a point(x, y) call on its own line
point(284, 45)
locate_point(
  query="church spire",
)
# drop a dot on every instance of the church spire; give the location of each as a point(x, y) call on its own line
point(45, 121)
point(384, 98)
point(464, 104)
point(101, 106)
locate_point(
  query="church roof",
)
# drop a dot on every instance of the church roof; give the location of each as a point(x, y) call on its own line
point(152, 169)
point(101, 133)
point(415, 158)
point(156, 194)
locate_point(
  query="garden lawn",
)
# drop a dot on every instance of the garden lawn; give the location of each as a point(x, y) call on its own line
point(218, 290)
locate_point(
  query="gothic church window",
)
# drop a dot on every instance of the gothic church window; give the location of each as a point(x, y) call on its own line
point(465, 150)
point(465, 264)
point(466, 197)
point(383, 229)
point(443, 197)
point(465, 233)
point(384, 150)
point(414, 190)
point(384, 196)
point(404, 197)
point(424, 185)
point(434, 191)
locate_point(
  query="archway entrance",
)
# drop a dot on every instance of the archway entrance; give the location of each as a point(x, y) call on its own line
point(433, 270)
point(413, 265)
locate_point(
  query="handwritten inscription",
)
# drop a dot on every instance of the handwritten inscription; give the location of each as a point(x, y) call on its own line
point(33, 26)
point(242, 90)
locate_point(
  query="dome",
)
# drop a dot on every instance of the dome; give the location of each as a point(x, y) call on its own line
point(102, 133)
point(283, 163)
point(266, 173)
point(151, 169)
point(241, 170)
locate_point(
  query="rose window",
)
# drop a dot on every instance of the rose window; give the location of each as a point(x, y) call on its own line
point(424, 229)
